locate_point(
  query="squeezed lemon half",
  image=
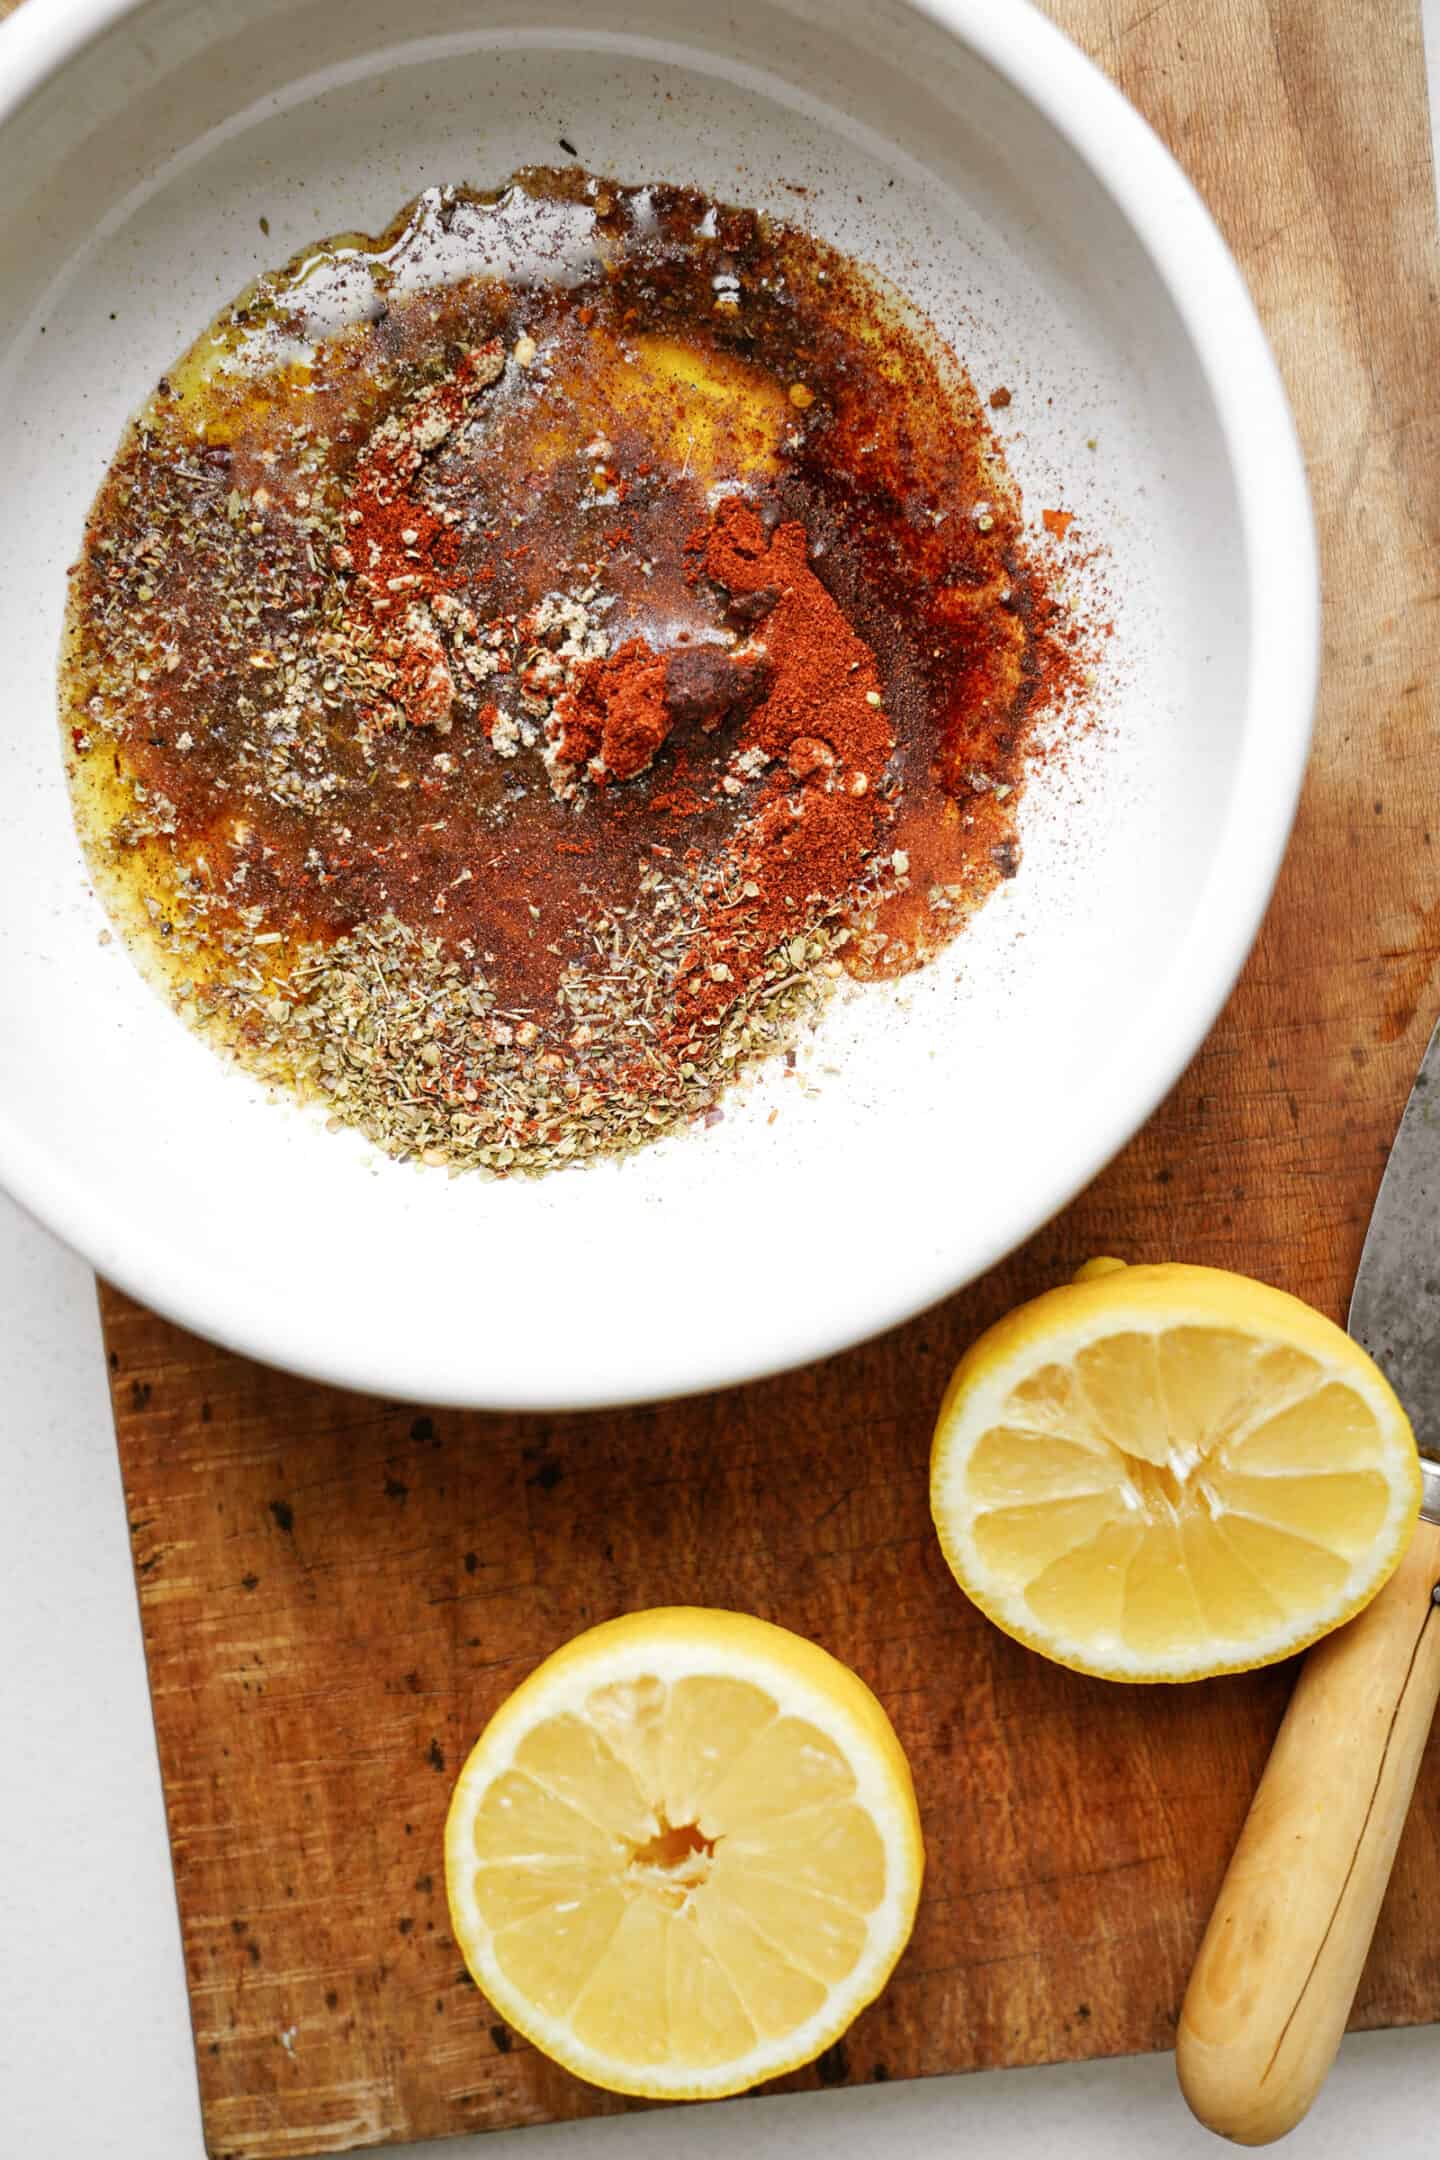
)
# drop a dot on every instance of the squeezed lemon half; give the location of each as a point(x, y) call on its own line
point(1160, 1473)
point(684, 1853)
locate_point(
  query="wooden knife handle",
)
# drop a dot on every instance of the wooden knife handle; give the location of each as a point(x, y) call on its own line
point(1277, 1972)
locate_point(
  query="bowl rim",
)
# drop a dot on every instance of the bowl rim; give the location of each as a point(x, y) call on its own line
point(1185, 251)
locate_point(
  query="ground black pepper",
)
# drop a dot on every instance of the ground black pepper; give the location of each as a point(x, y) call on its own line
point(519, 664)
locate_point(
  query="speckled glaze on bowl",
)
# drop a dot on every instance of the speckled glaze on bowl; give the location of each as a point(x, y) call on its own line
point(980, 160)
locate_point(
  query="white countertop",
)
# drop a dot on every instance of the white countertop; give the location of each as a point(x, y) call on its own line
point(95, 2059)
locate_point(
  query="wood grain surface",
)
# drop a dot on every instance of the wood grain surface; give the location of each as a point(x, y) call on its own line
point(337, 1591)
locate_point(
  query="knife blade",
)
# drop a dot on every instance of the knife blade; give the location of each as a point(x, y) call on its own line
point(1395, 1305)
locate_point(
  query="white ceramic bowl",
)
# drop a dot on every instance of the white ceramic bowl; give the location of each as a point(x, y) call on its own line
point(978, 158)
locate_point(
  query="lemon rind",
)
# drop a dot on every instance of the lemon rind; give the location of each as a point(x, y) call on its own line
point(1052, 1329)
point(671, 1643)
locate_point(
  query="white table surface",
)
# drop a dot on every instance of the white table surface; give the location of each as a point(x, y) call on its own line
point(95, 2060)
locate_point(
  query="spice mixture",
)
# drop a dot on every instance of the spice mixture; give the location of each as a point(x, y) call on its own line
point(518, 664)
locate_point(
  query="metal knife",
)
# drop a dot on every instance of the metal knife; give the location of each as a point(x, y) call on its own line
point(1277, 1972)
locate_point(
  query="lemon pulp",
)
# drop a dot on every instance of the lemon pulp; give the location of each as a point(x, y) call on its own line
point(1165, 1472)
point(685, 1853)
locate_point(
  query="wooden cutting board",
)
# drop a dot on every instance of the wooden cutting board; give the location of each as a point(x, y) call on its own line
point(336, 1592)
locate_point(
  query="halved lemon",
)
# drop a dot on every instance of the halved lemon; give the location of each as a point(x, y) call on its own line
point(1159, 1473)
point(684, 1853)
